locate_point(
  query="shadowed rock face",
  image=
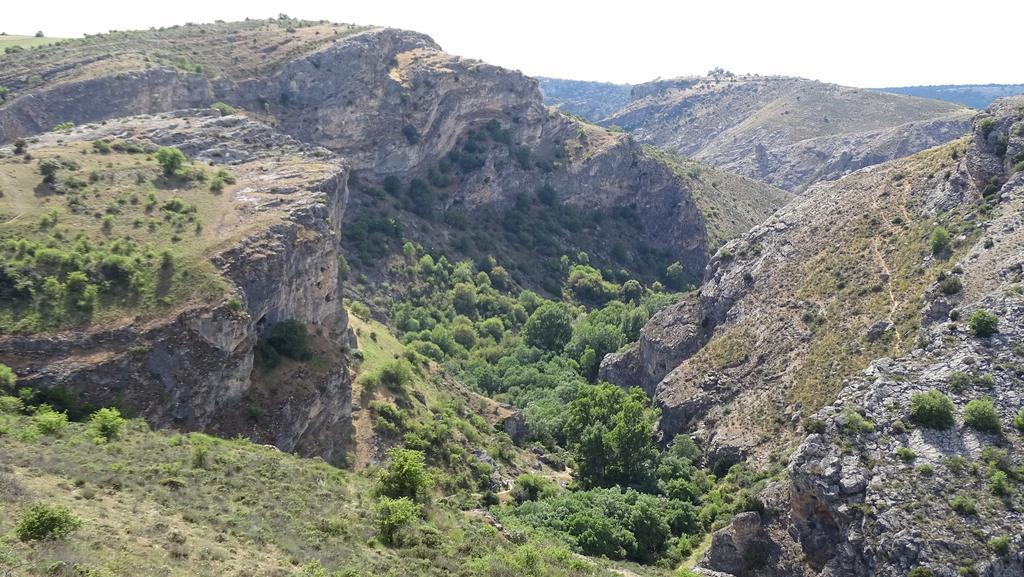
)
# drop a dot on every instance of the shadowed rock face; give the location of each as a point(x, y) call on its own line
point(194, 369)
point(788, 132)
point(390, 102)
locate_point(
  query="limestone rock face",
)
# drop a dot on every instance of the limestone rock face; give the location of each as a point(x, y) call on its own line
point(194, 369)
point(895, 495)
point(390, 102)
point(827, 284)
point(124, 94)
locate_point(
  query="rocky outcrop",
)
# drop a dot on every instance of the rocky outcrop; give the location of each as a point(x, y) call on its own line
point(194, 369)
point(124, 94)
point(788, 132)
point(876, 492)
point(812, 295)
point(393, 104)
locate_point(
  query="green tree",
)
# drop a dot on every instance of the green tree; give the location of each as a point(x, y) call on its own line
point(405, 476)
point(464, 299)
point(394, 515)
point(549, 327)
point(609, 432)
point(675, 276)
point(939, 240)
point(106, 424)
point(632, 291)
point(170, 160)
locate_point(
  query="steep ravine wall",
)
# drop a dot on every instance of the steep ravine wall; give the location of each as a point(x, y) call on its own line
point(390, 102)
point(194, 370)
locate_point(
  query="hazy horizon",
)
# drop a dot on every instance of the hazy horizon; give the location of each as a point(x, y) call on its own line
point(877, 44)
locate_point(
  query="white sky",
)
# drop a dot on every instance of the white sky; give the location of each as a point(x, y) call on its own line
point(854, 42)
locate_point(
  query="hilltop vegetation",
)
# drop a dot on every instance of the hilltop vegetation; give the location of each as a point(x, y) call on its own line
point(96, 230)
point(148, 502)
point(238, 50)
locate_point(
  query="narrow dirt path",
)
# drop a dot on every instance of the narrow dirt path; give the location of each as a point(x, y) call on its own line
point(894, 304)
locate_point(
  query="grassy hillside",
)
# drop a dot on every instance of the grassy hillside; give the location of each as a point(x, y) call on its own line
point(789, 132)
point(114, 233)
point(732, 204)
point(163, 503)
point(825, 271)
point(16, 41)
point(95, 228)
point(236, 49)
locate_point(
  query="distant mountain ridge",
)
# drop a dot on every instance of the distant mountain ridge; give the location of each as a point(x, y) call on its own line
point(976, 96)
point(591, 100)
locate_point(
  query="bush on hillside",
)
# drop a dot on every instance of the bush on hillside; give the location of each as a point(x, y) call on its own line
point(983, 323)
point(982, 415)
point(42, 521)
point(106, 424)
point(932, 409)
point(939, 240)
point(405, 475)
point(170, 160)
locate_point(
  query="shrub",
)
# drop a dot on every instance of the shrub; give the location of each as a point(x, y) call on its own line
point(41, 521)
point(951, 285)
point(814, 426)
point(982, 415)
point(1018, 421)
point(615, 523)
point(49, 422)
point(405, 476)
point(920, 572)
point(999, 484)
point(11, 405)
point(7, 377)
point(224, 109)
point(854, 422)
point(106, 424)
point(170, 160)
point(906, 453)
point(289, 338)
point(963, 505)
point(939, 240)
point(932, 409)
point(393, 516)
point(396, 375)
point(983, 323)
point(530, 487)
point(1000, 545)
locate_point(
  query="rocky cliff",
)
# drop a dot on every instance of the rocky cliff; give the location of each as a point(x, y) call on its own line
point(810, 297)
point(879, 491)
point(388, 101)
point(277, 251)
point(787, 132)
